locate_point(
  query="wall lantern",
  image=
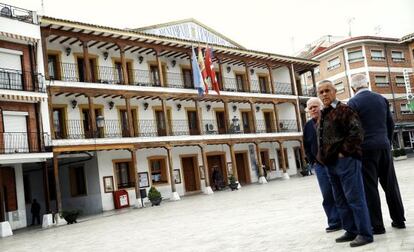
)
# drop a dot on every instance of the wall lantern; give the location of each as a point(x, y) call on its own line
point(228, 68)
point(100, 121)
point(173, 63)
point(208, 107)
point(145, 105)
point(74, 103)
point(68, 50)
point(178, 106)
point(257, 108)
point(105, 55)
point(140, 59)
point(234, 108)
point(235, 121)
point(111, 105)
point(251, 71)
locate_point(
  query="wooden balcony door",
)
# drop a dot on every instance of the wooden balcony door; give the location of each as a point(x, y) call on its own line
point(221, 126)
point(161, 122)
point(87, 127)
point(124, 122)
point(247, 121)
point(192, 123)
point(82, 69)
point(240, 85)
point(263, 85)
point(268, 120)
point(59, 124)
point(188, 78)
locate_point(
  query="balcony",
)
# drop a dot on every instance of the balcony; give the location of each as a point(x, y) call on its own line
point(398, 59)
point(12, 79)
point(378, 58)
point(17, 13)
point(382, 84)
point(308, 91)
point(288, 125)
point(283, 88)
point(22, 142)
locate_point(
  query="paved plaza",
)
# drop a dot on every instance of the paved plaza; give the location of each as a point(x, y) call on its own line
point(279, 216)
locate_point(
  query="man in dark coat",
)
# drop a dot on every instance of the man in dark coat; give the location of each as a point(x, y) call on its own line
point(339, 138)
point(373, 110)
point(35, 210)
point(314, 107)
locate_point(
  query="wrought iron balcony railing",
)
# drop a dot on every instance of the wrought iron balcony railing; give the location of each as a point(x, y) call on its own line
point(231, 85)
point(13, 79)
point(288, 125)
point(23, 142)
point(283, 88)
point(308, 91)
point(17, 13)
point(263, 126)
point(144, 78)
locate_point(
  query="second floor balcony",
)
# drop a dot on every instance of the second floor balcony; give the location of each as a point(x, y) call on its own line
point(12, 79)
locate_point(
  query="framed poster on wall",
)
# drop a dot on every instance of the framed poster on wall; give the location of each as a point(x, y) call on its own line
point(177, 176)
point(229, 168)
point(143, 179)
point(272, 164)
point(202, 175)
point(108, 183)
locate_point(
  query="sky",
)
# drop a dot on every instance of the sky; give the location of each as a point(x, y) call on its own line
point(276, 26)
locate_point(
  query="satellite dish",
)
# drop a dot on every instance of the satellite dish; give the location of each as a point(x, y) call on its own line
point(5, 11)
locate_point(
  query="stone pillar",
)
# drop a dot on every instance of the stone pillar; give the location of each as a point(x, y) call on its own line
point(207, 189)
point(262, 179)
point(174, 194)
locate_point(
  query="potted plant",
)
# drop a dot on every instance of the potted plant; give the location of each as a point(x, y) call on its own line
point(233, 184)
point(154, 196)
point(70, 216)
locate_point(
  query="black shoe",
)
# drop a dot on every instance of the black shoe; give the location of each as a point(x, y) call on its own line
point(378, 231)
point(360, 241)
point(346, 237)
point(399, 225)
point(332, 229)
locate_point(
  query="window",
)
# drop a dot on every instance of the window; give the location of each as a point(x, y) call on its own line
point(377, 55)
point(399, 80)
point(340, 88)
point(158, 170)
point(124, 174)
point(397, 56)
point(334, 63)
point(405, 109)
point(53, 67)
point(355, 56)
point(381, 80)
point(77, 181)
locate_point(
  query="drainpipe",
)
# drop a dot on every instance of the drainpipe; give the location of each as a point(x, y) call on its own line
point(346, 72)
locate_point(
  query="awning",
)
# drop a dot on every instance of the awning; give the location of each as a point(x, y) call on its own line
point(25, 98)
point(19, 37)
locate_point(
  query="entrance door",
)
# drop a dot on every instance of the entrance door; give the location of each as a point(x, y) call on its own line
point(264, 155)
point(242, 168)
point(189, 168)
point(216, 162)
point(221, 126)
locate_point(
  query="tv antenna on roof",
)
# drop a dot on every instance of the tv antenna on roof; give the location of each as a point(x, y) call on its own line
point(350, 20)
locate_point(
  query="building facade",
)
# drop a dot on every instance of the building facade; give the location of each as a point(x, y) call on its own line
point(383, 61)
point(24, 119)
point(123, 114)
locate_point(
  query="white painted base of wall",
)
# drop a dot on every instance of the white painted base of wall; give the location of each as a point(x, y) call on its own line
point(138, 203)
point(285, 176)
point(60, 221)
point(262, 180)
point(238, 185)
point(175, 196)
point(47, 221)
point(5, 229)
point(208, 190)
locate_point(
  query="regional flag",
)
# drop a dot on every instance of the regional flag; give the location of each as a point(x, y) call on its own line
point(197, 77)
point(210, 69)
point(202, 68)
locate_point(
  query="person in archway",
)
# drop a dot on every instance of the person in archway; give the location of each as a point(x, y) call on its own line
point(217, 178)
point(35, 210)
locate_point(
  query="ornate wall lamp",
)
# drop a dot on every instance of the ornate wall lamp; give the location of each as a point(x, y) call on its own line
point(74, 103)
point(68, 50)
point(146, 105)
point(111, 105)
point(105, 55)
point(140, 59)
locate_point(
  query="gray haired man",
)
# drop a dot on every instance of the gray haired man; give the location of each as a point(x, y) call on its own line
point(374, 113)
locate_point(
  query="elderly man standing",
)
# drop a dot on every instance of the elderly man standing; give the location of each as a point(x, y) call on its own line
point(373, 110)
point(314, 107)
point(340, 138)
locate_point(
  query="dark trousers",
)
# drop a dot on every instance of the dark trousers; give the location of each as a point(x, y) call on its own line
point(35, 218)
point(328, 202)
point(378, 164)
point(348, 188)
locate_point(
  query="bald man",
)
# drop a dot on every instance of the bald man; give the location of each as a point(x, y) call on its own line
point(377, 164)
point(339, 139)
point(314, 107)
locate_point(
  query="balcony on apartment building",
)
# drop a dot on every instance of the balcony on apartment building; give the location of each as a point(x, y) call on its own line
point(13, 79)
point(12, 12)
point(103, 128)
point(76, 72)
point(23, 142)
